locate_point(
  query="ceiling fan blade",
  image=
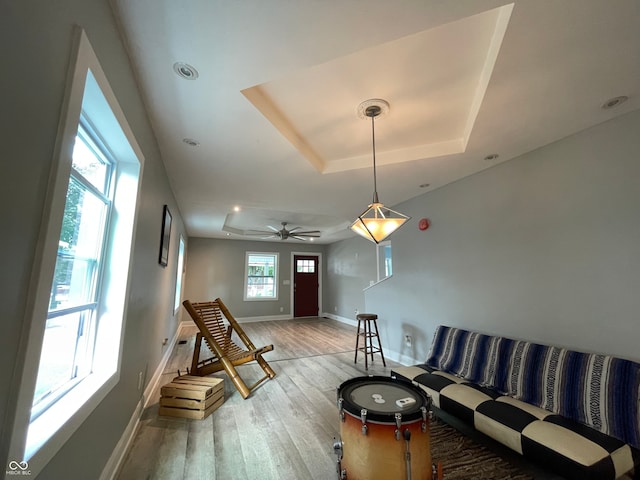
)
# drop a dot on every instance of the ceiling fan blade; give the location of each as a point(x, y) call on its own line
point(294, 229)
point(273, 228)
point(297, 237)
point(309, 233)
point(260, 232)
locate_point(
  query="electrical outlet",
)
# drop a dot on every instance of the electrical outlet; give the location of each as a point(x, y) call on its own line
point(281, 309)
point(140, 381)
point(408, 340)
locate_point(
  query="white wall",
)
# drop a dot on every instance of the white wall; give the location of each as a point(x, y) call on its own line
point(545, 247)
point(37, 39)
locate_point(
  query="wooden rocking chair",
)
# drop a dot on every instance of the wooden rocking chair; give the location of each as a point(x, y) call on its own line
point(226, 354)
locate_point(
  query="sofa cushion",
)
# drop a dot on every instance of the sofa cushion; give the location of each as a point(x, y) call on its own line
point(433, 383)
point(567, 452)
point(537, 412)
point(462, 400)
point(502, 422)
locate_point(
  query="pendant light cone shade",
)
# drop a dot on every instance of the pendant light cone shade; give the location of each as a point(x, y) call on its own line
point(377, 222)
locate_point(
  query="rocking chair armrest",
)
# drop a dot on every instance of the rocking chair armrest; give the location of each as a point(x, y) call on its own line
point(261, 350)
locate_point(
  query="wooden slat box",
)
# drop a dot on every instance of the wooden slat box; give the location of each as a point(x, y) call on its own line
point(191, 397)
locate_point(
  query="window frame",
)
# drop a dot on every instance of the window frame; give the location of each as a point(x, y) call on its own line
point(276, 290)
point(180, 269)
point(87, 94)
point(384, 269)
point(90, 306)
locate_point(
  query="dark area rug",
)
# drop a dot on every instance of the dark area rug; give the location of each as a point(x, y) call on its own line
point(464, 459)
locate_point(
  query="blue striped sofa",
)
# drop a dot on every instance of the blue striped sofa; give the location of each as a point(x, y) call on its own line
point(575, 413)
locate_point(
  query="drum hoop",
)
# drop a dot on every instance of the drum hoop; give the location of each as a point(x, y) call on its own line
point(410, 416)
point(382, 422)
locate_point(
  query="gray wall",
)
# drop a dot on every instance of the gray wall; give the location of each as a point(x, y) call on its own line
point(37, 39)
point(215, 268)
point(351, 266)
point(545, 247)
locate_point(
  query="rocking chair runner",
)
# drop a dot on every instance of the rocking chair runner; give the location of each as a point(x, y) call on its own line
point(226, 354)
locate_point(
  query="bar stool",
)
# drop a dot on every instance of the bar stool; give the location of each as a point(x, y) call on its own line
point(366, 319)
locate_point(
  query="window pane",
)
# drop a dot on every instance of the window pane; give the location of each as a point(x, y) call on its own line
point(90, 165)
point(261, 276)
point(305, 266)
point(388, 266)
point(79, 248)
point(64, 347)
point(178, 292)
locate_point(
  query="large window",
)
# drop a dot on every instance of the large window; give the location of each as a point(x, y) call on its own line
point(69, 338)
point(261, 276)
point(76, 310)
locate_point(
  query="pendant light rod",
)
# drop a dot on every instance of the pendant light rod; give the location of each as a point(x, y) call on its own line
point(377, 222)
point(373, 111)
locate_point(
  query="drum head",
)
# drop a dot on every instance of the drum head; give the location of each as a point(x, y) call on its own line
point(383, 397)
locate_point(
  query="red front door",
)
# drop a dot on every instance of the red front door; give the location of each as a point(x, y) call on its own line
point(305, 286)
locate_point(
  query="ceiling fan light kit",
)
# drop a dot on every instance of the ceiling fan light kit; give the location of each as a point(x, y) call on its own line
point(377, 222)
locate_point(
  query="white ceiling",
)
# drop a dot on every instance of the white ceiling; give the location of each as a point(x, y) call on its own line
point(274, 107)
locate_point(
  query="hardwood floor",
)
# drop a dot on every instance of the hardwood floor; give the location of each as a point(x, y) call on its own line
point(284, 430)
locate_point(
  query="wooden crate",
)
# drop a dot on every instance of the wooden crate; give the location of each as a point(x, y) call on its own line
point(191, 397)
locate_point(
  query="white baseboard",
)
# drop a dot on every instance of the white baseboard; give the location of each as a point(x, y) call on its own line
point(401, 358)
point(114, 463)
point(264, 318)
point(348, 321)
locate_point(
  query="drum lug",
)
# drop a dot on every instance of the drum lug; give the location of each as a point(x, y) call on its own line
point(337, 447)
point(398, 417)
point(428, 406)
point(424, 419)
point(363, 417)
point(341, 409)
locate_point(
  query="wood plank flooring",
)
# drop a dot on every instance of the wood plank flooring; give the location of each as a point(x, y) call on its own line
point(284, 430)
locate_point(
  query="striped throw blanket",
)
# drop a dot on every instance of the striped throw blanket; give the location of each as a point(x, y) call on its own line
point(600, 391)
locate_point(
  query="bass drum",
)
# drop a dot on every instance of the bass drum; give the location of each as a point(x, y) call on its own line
point(384, 428)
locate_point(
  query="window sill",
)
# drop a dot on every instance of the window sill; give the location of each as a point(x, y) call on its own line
point(53, 428)
point(373, 284)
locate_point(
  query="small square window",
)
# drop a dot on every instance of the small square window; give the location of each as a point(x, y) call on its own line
point(305, 266)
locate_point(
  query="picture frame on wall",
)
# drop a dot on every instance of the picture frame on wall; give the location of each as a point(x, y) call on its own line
point(165, 237)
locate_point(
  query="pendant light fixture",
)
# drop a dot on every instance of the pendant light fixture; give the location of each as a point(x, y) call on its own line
point(377, 222)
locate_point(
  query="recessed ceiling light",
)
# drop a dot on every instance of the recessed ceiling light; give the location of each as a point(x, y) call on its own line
point(491, 156)
point(614, 102)
point(236, 208)
point(191, 142)
point(185, 71)
point(425, 185)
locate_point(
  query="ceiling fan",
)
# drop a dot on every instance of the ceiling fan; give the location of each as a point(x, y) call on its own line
point(284, 234)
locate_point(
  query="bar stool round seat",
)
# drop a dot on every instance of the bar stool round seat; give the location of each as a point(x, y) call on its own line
point(369, 325)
